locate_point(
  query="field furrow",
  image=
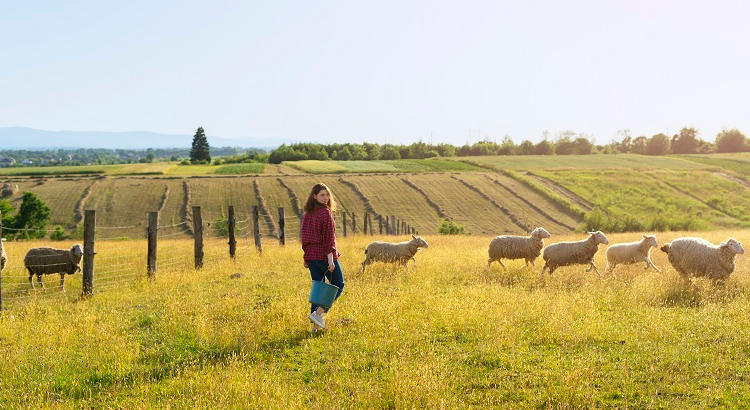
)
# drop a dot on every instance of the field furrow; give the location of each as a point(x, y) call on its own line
point(391, 196)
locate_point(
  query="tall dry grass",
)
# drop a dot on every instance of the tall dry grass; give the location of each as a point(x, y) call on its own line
point(448, 334)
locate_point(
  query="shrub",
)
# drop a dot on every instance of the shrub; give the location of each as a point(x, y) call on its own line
point(451, 228)
point(221, 228)
point(59, 234)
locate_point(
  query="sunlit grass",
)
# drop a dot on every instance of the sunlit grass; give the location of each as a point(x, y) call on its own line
point(447, 334)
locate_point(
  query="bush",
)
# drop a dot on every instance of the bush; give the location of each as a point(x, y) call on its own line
point(451, 228)
point(59, 234)
point(221, 227)
point(185, 162)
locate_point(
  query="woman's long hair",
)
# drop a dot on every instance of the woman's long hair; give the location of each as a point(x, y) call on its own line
point(312, 202)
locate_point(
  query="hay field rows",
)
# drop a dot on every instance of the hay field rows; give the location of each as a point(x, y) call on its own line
point(450, 334)
point(610, 192)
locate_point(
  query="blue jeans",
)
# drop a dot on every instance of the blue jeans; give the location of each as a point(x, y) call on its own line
point(319, 270)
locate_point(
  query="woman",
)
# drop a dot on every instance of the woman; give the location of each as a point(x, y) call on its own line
point(319, 245)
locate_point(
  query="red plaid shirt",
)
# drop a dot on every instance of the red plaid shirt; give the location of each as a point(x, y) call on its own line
point(319, 234)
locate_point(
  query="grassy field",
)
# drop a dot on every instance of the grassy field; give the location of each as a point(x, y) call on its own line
point(629, 197)
point(449, 334)
point(600, 161)
point(401, 165)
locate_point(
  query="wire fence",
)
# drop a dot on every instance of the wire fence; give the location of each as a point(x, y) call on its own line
point(119, 264)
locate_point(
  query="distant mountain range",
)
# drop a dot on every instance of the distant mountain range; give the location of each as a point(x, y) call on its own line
point(30, 138)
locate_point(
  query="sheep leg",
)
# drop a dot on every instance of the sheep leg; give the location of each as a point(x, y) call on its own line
point(415, 263)
point(31, 282)
point(39, 279)
point(609, 267)
point(546, 266)
point(595, 269)
point(62, 282)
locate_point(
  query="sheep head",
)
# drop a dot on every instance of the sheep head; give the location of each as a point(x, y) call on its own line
point(733, 245)
point(651, 241)
point(76, 253)
point(540, 233)
point(599, 237)
point(421, 243)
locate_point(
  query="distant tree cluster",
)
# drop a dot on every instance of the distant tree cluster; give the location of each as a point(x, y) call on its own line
point(101, 156)
point(31, 220)
point(566, 143)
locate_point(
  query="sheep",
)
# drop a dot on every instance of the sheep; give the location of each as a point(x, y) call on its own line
point(400, 252)
point(632, 252)
point(3, 256)
point(43, 261)
point(573, 253)
point(700, 257)
point(517, 247)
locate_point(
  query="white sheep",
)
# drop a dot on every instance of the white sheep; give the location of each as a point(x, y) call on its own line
point(400, 252)
point(517, 247)
point(44, 261)
point(573, 253)
point(632, 252)
point(700, 257)
point(3, 256)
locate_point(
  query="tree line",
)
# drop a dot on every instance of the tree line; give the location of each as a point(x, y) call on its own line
point(567, 143)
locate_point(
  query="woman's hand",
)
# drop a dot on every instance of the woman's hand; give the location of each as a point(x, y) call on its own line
point(304, 263)
point(331, 266)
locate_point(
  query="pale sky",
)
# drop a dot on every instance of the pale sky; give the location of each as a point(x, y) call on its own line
point(380, 71)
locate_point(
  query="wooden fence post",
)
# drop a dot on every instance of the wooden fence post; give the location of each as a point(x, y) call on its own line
point(153, 226)
point(282, 222)
point(398, 227)
point(256, 229)
point(354, 223)
point(343, 214)
point(393, 225)
point(364, 223)
point(1, 273)
point(380, 224)
point(89, 230)
point(198, 236)
point(230, 229)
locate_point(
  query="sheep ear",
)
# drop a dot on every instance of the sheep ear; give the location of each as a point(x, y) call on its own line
point(413, 237)
point(645, 237)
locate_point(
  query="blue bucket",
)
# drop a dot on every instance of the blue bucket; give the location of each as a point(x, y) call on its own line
point(323, 294)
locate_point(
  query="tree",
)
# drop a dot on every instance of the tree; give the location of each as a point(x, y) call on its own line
point(626, 141)
point(639, 145)
point(390, 152)
point(507, 147)
point(33, 217)
point(658, 145)
point(730, 141)
point(686, 142)
point(582, 146)
point(544, 147)
point(200, 150)
point(6, 209)
point(525, 148)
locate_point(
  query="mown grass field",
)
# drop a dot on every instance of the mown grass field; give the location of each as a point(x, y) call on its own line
point(448, 334)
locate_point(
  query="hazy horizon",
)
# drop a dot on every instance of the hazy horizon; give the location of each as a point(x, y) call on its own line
point(390, 72)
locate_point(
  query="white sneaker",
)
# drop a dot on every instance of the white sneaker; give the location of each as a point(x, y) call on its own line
point(314, 329)
point(317, 319)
